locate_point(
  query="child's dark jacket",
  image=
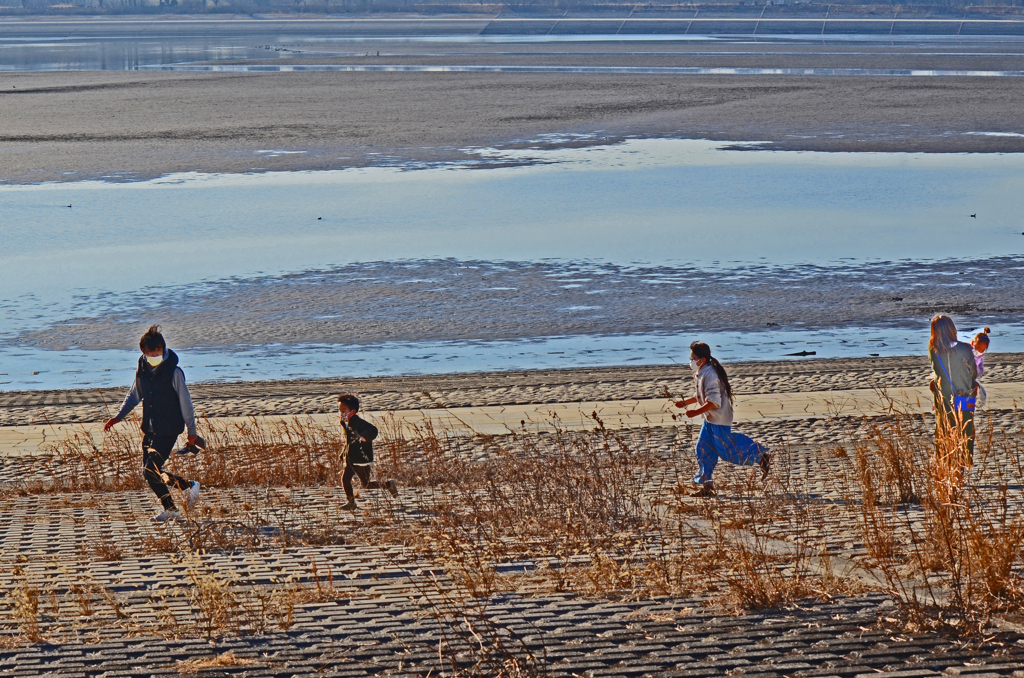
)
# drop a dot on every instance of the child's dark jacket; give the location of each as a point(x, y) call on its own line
point(358, 451)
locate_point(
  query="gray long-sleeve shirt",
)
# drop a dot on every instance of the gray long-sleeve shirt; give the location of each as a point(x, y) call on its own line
point(711, 390)
point(184, 398)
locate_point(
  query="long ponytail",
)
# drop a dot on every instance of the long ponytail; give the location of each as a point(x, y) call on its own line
point(703, 351)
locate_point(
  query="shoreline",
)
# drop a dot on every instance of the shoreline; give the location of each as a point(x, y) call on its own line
point(484, 389)
point(317, 157)
point(451, 316)
point(220, 159)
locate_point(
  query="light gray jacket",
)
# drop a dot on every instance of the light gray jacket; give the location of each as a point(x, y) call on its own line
point(711, 390)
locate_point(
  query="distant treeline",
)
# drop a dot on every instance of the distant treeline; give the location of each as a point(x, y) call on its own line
point(728, 8)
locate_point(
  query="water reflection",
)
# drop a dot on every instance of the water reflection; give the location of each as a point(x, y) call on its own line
point(233, 46)
point(610, 70)
point(119, 55)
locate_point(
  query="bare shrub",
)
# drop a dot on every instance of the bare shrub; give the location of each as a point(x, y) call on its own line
point(213, 599)
point(77, 464)
point(24, 603)
point(190, 666)
point(947, 538)
point(252, 452)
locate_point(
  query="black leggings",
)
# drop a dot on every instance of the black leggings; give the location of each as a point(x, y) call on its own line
point(155, 451)
point(361, 470)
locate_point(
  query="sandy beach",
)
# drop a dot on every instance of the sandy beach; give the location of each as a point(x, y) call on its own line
point(495, 389)
point(806, 412)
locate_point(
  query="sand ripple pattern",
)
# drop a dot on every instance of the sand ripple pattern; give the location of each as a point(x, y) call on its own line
point(453, 300)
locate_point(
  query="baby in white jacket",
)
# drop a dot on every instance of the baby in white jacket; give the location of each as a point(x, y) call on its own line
point(980, 345)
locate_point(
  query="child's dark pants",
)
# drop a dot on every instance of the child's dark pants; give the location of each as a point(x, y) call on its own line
point(361, 470)
point(155, 451)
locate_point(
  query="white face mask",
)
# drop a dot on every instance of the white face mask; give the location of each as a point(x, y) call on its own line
point(154, 360)
point(693, 365)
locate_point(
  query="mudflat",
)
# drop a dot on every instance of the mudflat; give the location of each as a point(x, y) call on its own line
point(876, 84)
point(137, 125)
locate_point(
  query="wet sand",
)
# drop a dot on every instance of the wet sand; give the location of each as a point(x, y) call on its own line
point(136, 125)
point(446, 300)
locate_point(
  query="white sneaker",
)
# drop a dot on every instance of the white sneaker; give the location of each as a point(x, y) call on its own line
point(192, 498)
point(166, 516)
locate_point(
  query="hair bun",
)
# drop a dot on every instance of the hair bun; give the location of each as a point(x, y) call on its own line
point(986, 331)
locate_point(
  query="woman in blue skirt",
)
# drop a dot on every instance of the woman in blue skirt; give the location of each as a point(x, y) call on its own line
point(717, 440)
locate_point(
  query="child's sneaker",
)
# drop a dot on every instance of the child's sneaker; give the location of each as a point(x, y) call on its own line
point(392, 487)
point(350, 506)
point(192, 498)
point(765, 464)
point(706, 490)
point(166, 516)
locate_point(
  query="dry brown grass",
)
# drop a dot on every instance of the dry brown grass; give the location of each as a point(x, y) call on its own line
point(191, 666)
point(26, 608)
point(947, 544)
point(601, 513)
point(254, 452)
point(599, 508)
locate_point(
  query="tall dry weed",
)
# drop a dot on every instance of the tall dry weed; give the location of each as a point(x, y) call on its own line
point(946, 536)
point(602, 512)
point(252, 452)
point(565, 494)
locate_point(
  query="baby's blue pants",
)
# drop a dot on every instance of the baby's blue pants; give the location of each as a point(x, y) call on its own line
point(719, 442)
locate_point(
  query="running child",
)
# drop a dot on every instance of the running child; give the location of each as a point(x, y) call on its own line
point(360, 435)
point(717, 440)
point(166, 412)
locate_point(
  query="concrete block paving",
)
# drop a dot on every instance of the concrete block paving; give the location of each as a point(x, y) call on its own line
point(115, 595)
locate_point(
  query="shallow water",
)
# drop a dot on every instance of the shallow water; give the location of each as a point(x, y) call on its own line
point(684, 206)
point(647, 201)
point(31, 368)
point(227, 46)
point(608, 70)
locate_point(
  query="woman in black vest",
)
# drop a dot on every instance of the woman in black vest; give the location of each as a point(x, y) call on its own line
point(166, 412)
